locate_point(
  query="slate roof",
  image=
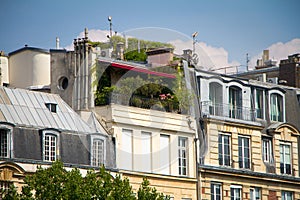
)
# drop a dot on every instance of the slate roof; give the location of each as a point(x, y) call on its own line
point(27, 108)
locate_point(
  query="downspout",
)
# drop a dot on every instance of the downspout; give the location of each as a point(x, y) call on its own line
point(196, 114)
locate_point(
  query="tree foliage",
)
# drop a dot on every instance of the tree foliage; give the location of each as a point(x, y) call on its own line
point(146, 192)
point(56, 182)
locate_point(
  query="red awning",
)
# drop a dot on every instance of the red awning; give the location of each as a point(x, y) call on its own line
point(139, 69)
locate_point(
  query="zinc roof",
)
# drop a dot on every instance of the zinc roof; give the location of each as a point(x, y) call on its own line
point(28, 108)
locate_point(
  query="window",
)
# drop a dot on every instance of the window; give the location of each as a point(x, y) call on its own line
point(51, 107)
point(216, 99)
point(182, 155)
point(97, 152)
point(50, 147)
point(285, 159)
point(244, 152)
point(286, 195)
point(235, 102)
point(235, 192)
point(164, 154)
point(255, 193)
point(5, 185)
point(145, 156)
point(259, 103)
point(276, 107)
point(5, 143)
point(126, 150)
point(224, 150)
point(267, 150)
point(215, 191)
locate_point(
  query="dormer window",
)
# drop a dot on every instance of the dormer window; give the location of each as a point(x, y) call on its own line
point(51, 107)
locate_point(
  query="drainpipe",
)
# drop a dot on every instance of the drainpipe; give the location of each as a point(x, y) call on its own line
point(74, 105)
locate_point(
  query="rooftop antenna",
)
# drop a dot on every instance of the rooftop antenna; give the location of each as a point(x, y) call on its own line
point(110, 25)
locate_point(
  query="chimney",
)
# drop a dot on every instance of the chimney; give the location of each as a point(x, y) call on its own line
point(265, 56)
point(86, 32)
point(57, 42)
point(120, 51)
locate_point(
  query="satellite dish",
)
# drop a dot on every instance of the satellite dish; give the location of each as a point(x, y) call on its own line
point(103, 54)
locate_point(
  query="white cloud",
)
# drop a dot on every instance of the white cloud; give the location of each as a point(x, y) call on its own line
point(209, 57)
point(279, 51)
point(94, 35)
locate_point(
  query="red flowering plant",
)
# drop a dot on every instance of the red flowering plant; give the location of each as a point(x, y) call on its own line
point(169, 102)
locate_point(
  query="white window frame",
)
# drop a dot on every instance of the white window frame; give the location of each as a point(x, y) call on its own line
point(255, 193)
point(243, 137)
point(9, 140)
point(223, 155)
point(284, 144)
point(182, 156)
point(52, 134)
point(213, 188)
point(96, 162)
point(284, 195)
point(235, 189)
point(267, 150)
point(283, 105)
point(52, 107)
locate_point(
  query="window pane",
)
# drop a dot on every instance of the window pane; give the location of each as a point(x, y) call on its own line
point(182, 159)
point(146, 152)
point(164, 154)
point(285, 159)
point(50, 146)
point(224, 150)
point(4, 151)
point(126, 150)
point(98, 152)
point(215, 191)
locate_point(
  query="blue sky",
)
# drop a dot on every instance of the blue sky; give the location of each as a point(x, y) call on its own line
point(237, 26)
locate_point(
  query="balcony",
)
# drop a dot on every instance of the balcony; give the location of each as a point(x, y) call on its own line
point(228, 111)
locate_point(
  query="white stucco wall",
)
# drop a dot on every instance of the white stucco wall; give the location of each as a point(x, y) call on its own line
point(29, 68)
point(4, 69)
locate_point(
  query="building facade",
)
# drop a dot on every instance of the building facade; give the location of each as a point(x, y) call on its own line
point(38, 128)
point(251, 139)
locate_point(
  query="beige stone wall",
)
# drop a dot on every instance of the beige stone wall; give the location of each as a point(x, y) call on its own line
point(176, 187)
point(266, 185)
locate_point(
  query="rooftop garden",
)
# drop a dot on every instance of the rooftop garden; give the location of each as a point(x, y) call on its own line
point(148, 92)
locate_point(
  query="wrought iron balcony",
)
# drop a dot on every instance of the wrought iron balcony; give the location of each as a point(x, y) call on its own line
point(228, 111)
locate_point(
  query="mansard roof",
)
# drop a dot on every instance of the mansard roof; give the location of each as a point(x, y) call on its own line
point(26, 108)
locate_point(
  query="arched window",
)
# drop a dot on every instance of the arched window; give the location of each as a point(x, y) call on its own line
point(276, 107)
point(98, 150)
point(50, 146)
point(6, 146)
point(235, 102)
point(216, 99)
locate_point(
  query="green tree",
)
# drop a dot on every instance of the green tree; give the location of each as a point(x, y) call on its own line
point(146, 192)
point(57, 183)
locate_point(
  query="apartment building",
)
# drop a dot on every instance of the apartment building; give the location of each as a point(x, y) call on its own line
point(150, 141)
point(251, 139)
point(38, 128)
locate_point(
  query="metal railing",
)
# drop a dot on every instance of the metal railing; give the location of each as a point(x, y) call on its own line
point(227, 110)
